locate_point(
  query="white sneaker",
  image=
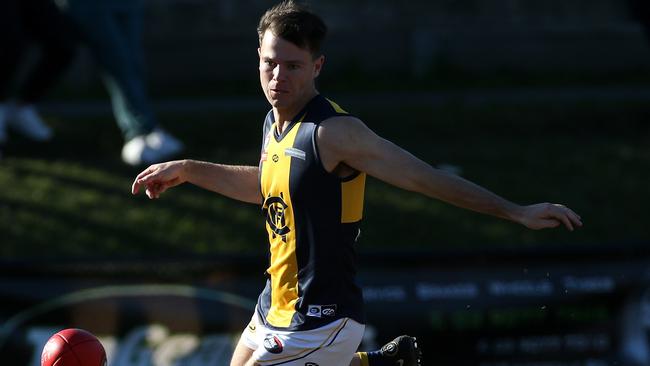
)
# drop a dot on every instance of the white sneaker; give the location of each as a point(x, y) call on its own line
point(25, 120)
point(133, 149)
point(154, 147)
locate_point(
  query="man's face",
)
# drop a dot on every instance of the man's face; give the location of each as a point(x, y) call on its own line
point(287, 72)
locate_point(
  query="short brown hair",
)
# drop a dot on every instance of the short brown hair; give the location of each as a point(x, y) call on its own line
point(294, 23)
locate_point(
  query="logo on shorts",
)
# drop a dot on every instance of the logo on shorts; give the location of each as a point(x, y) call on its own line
point(273, 344)
point(319, 311)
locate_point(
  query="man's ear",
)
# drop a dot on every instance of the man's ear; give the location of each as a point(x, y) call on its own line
point(318, 65)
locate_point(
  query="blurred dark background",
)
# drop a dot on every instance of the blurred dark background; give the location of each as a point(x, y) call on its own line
point(199, 45)
point(537, 101)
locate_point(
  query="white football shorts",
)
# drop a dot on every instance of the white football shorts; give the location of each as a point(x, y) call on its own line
point(331, 345)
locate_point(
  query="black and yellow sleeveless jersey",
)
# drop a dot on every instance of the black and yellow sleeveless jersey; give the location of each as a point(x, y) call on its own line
point(312, 219)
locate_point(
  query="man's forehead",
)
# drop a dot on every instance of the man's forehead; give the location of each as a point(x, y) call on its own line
point(276, 47)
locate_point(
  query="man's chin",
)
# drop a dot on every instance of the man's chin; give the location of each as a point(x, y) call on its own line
point(279, 102)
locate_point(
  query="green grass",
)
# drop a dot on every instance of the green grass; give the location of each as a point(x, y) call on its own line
point(70, 198)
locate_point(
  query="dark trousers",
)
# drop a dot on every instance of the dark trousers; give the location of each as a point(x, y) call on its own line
point(640, 10)
point(41, 22)
point(112, 30)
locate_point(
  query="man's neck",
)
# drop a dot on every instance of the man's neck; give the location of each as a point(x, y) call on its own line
point(284, 116)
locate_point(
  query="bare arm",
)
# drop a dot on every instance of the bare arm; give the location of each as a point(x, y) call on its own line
point(347, 140)
point(237, 182)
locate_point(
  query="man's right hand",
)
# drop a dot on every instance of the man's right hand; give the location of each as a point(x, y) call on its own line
point(157, 178)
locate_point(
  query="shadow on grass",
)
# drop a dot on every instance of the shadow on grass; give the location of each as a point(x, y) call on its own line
point(72, 196)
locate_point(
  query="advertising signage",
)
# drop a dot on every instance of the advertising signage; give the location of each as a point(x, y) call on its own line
point(592, 313)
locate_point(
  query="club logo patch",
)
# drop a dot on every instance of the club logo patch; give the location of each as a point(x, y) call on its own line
point(273, 344)
point(274, 210)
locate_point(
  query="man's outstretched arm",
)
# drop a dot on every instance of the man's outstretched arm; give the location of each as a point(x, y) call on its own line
point(237, 182)
point(347, 140)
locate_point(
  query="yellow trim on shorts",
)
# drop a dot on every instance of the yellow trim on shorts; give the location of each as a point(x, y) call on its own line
point(306, 352)
point(363, 356)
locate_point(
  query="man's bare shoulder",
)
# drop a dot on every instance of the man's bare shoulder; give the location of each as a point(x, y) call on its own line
point(345, 139)
point(340, 128)
point(340, 121)
point(338, 138)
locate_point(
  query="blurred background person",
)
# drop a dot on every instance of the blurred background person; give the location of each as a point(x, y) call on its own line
point(640, 11)
point(23, 22)
point(112, 31)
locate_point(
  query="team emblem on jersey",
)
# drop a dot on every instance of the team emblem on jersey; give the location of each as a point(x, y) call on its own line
point(274, 209)
point(273, 344)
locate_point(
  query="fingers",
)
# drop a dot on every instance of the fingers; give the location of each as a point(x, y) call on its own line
point(152, 179)
point(565, 220)
point(547, 215)
point(153, 191)
point(140, 180)
point(575, 218)
point(154, 183)
point(565, 215)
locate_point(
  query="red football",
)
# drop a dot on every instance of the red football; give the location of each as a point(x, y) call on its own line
point(73, 347)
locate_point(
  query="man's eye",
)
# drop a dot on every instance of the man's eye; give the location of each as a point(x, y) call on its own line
point(294, 67)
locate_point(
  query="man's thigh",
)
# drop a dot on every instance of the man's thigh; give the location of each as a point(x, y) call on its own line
point(247, 344)
point(242, 355)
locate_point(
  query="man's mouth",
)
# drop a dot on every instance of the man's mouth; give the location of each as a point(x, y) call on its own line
point(278, 91)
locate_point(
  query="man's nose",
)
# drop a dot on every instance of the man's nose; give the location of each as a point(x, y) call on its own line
point(279, 72)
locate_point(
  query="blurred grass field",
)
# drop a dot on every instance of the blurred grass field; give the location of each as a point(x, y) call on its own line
point(70, 198)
